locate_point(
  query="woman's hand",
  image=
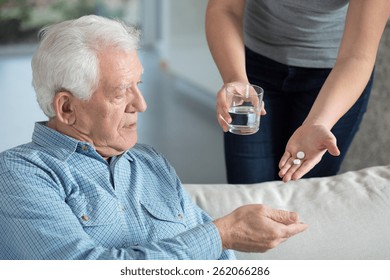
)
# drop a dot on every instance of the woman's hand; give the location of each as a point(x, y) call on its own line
point(314, 141)
point(222, 108)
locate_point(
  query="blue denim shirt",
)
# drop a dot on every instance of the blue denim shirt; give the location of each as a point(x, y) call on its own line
point(59, 199)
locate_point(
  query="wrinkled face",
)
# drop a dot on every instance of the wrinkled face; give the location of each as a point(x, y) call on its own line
point(109, 118)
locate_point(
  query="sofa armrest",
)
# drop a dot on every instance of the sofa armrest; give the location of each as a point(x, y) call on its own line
point(348, 214)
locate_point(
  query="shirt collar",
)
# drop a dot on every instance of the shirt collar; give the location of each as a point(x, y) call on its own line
point(127, 155)
point(62, 146)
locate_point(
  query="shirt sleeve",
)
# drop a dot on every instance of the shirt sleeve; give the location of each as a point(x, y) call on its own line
point(211, 241)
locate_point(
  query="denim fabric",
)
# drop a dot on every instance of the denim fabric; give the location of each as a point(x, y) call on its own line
point(289, 93)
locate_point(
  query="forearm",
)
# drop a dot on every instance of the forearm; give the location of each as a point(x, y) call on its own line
point(363, 30)
point(224, 33)
point(199, 243)
point(341, 90)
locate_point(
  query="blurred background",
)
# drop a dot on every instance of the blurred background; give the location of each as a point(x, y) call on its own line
point(179, 84)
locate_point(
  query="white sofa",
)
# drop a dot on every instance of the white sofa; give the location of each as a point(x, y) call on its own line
point(348, 214)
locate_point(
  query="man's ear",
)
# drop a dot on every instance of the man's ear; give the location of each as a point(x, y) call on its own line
point(63, 106)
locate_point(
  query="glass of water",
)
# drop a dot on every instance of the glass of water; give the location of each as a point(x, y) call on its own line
point(245, 103)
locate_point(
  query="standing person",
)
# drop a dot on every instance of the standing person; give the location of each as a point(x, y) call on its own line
point(315, 61)
point(85, 189)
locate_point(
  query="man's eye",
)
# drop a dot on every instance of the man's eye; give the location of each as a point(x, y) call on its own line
point(120, 96)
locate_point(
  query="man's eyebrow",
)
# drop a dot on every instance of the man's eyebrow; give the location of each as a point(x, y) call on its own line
point(126, 86)
point(122, 87)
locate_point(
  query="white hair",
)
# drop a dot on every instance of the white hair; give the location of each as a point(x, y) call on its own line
point(67, 57)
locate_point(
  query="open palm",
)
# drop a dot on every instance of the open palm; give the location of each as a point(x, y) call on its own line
point(314, 141)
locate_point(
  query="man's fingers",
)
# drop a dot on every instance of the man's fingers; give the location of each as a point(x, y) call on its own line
point(288, 218)
point(282, 216)
point(294, 229)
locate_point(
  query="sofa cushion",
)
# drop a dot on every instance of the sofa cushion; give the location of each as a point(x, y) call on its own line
point(348, 214)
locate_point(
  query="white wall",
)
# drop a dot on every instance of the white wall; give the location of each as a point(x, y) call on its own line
point(19, 110)
point(184, 47)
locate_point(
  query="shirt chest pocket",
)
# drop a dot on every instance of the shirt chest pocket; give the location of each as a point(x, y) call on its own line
point(165, 218)
point(100, 217)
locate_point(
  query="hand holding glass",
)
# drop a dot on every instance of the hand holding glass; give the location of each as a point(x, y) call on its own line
point(244, 102)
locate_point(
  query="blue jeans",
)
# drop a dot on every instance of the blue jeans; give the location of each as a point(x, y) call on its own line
point(289, 93)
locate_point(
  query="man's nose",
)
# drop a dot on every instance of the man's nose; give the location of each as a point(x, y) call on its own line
point(137, 103)
point(140, 102)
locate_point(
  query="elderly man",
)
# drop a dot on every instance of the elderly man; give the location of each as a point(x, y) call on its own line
point(83, 188)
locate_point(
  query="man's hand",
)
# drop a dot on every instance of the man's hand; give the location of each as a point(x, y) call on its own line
point(314, 141)
point(257, 228)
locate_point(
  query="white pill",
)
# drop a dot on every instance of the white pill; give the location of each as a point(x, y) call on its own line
point(297, 161)
point(301, 155)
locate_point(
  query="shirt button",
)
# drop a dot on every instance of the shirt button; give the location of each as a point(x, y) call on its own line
point(180, 216)
point(84, 148)
point(84, 218)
